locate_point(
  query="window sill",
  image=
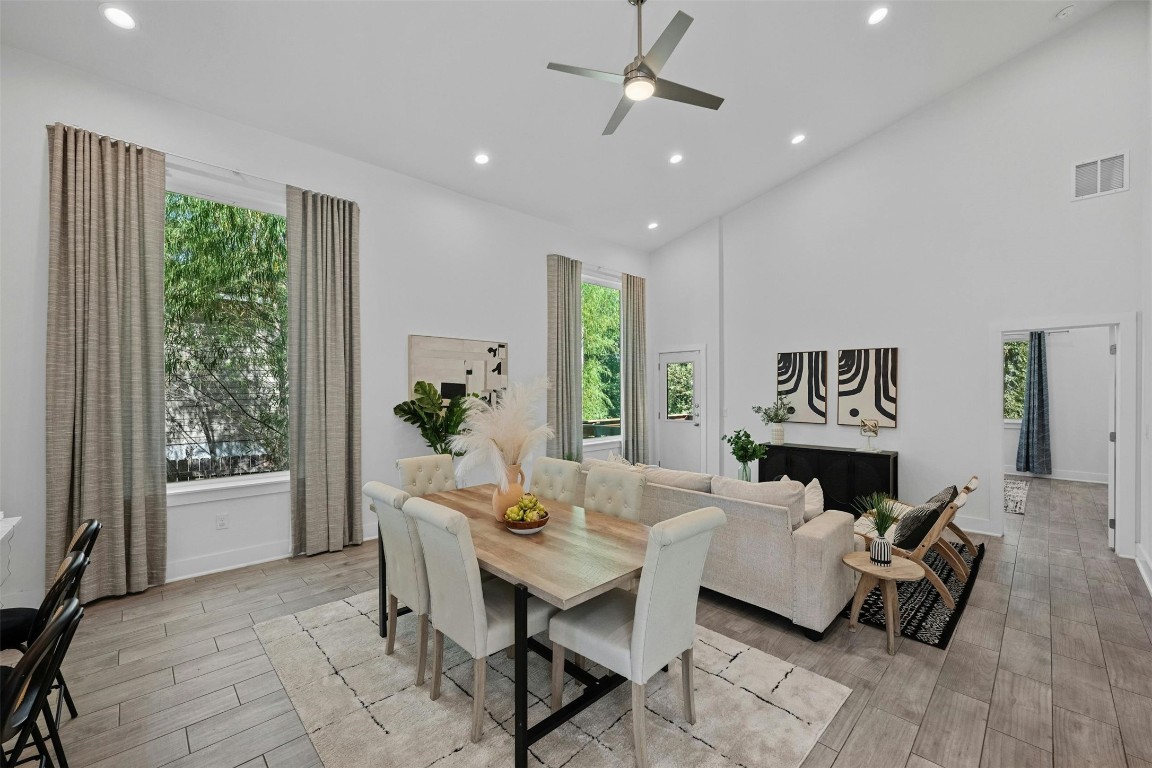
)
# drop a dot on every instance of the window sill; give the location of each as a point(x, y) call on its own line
point(224, 488)
point(602, 441)
point(1012, 423)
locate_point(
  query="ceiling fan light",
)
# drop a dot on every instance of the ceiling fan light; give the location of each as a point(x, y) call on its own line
point(639, 88)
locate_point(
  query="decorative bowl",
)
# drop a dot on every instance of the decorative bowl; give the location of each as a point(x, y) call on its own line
point(524, 528)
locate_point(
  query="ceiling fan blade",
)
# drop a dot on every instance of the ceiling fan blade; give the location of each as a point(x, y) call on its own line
point(666, 89)
point(621, 110)
point(608, 77)
point(660, 51)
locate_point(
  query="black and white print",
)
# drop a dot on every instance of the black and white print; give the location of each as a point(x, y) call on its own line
point(867, 386)
point(802, 377)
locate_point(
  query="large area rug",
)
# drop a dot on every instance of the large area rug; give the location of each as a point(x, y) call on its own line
point(923, 615)
point(362, 708)
point(1015, 495)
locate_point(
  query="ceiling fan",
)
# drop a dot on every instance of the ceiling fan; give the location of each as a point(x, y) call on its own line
point(641, 77)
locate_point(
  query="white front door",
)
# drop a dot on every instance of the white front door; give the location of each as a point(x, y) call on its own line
point(680, 431)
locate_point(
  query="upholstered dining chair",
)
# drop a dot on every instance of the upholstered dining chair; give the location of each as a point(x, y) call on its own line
point(422, 475)
point(635, 635)
point(615, 492)
point(477, 615)
point(405, 575)
point(555, 479)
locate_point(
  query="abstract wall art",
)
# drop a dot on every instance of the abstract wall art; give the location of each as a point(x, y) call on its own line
point(802, 377)
point(458, 366)
point(867, 386)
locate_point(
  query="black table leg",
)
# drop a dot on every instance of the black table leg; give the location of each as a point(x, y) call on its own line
point(382, 582)
point(521, 681)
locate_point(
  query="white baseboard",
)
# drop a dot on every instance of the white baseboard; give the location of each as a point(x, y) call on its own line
point(24, 598)
point(203, 565)
point(978, 525)
point(1144, 563)
point(1067, 475)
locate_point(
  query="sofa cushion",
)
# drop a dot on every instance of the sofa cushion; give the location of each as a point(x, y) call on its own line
point(674, 478)
point(785, 493)
point(587, 464)
point(813, 498)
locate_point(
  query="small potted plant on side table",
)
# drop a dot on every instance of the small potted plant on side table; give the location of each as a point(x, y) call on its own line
point(774, 416)
point(881, 510)
point(745, 450)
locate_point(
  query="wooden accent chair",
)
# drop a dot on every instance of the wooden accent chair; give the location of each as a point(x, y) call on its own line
point(934, 540)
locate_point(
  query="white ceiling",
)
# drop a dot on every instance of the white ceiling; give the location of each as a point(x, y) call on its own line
point(421, 87)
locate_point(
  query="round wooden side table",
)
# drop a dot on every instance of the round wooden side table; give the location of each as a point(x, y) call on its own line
point(902, 569)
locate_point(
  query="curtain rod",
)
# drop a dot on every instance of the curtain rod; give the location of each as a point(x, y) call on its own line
point(244, 174)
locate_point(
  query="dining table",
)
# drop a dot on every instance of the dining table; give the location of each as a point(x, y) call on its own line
point(576, 556)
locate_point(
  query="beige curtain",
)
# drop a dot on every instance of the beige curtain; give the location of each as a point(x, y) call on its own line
point(565, 358)
point(633, 367)
point(105, 359)
point(324, 371)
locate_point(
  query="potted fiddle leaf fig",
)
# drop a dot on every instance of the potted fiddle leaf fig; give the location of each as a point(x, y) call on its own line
point(437, 422)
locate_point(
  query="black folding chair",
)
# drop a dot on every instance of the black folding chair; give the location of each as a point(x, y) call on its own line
point(24, 688)
point(20, 626)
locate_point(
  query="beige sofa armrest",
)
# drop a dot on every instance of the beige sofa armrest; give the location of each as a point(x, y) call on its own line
point(822, 584)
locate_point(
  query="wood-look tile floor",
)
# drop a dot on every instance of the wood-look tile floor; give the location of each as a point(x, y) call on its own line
point(1050, 666)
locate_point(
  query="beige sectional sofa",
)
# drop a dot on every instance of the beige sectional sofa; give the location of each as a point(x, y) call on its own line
point(768, 554)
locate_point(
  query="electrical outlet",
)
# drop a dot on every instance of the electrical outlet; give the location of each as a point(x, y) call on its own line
point(221, 522)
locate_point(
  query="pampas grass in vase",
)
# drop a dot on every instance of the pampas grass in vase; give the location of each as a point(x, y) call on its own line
point(501, 437)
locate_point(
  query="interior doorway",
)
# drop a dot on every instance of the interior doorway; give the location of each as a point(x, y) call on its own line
point(1078, 375)
point(681, 410)
point(1114, 399)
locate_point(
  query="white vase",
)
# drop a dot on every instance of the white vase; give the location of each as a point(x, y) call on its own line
point(777, 434)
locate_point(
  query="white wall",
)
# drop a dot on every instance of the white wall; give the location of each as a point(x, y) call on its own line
point(923, 235)
point(432, 262)
point(684, 310)
point(1080, 385)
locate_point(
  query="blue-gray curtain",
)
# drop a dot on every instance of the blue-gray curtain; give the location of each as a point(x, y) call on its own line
point(1034, 452)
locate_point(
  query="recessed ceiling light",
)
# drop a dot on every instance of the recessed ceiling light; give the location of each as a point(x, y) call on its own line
point(652, 225)
point(878, 15)
point(481, 159)
point(118, 16)
point(675, 159)
point(798, 138)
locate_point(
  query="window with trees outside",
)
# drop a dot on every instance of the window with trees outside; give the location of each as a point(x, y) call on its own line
point(225, 340)
point(601, 372)
point(1015, 378)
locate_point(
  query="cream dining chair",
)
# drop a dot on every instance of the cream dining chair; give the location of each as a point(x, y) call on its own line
point(555, 479)
point(615, 492)
point(477, 615)
point(422, 475)
point(405, 575)
point(635, 635)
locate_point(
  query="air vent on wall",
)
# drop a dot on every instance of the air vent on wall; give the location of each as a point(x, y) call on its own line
point(1100, 177)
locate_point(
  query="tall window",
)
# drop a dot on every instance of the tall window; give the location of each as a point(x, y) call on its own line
point(225, 340)
point(601, 379)
point(1015, 378)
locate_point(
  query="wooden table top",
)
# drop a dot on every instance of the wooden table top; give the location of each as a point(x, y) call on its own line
point(902, 569)
point(577, 555)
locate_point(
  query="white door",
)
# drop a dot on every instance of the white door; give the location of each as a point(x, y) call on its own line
point(680, 431)
point(1113, 339)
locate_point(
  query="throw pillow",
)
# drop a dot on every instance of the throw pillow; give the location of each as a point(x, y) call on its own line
point(813, 498)
point(915, 524)
point(788, 494)
point(689, 481)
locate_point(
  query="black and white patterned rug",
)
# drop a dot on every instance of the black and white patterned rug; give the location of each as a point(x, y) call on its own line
point(1015, 495)
point(923, 615)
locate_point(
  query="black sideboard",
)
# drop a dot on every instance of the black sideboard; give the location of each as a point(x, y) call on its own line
point(844, 473)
